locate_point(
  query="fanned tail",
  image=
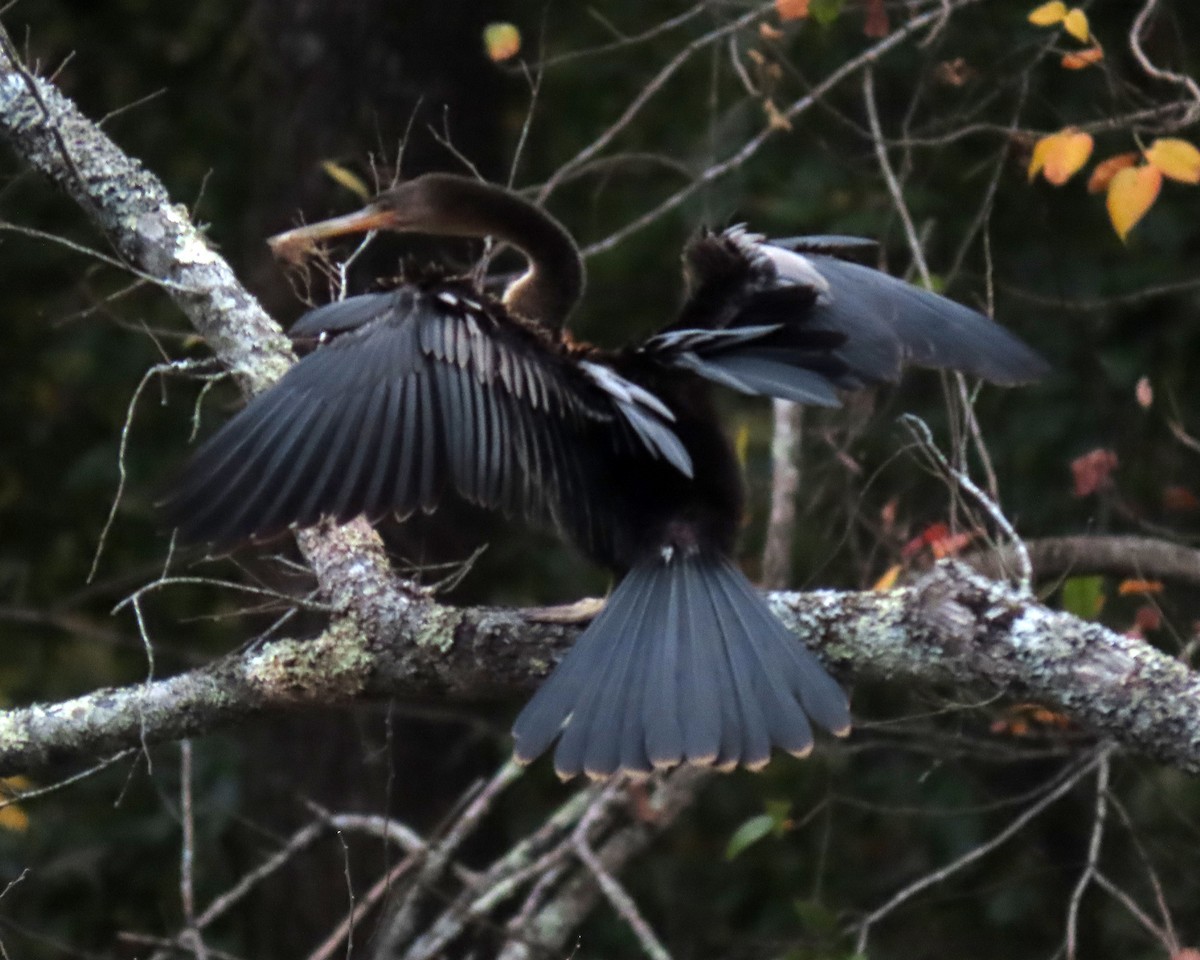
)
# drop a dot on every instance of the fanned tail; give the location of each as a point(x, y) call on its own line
point(686, 663)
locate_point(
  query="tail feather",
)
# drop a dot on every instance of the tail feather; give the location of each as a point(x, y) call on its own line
point(786, 726)
point(686, 663)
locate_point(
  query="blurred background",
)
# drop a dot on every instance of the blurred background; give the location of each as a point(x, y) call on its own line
point(258, 114)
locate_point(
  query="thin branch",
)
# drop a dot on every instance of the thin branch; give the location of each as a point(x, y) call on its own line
point(741, 156)
point(1091, 868)
point(975, 853)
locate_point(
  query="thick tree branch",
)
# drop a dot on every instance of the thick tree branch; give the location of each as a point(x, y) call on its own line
point(158, 239)
point(953, 627)
point(1054, 558)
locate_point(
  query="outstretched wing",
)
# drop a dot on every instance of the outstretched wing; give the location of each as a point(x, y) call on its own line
point(789, 320)
point(410, 393)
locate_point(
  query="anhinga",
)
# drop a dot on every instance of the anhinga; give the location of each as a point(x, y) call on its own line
point(436, 386)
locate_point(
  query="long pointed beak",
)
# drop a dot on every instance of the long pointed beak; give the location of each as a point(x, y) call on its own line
point(294, 244)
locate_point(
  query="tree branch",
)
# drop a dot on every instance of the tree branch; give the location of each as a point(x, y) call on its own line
point(952, 627)
point(157, 238)
point(1053, 558)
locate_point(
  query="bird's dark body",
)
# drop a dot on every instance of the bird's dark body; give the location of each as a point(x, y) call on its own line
point(652, 506)
point(435, 387)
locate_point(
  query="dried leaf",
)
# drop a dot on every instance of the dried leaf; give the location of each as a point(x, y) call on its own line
point(1107, 169)
point(1130, 587)
point(887, 514)
point(1059, 156)
point(1075, 22)
point(502, 41)
point(1144, 393)
point(877, 25)
point(1083, 59)
point(1130, 194)
point(775, 118)
point(1146, 619)
point(1179, 499)
point(1049, 14)
point(1093, 471)
point(768, 32)
point(954, 73)
point(1176, 159)
point(791, 9)
point(346, 178)
point(888, 580)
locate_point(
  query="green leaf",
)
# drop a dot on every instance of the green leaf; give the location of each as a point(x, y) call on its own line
point(1083, 596)
point(818, 919)
point(779, 811)
point(749, 833)
point(825, 12)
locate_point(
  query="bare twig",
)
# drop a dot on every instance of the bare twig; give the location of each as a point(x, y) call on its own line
point(1093, 856)
point(975, 853)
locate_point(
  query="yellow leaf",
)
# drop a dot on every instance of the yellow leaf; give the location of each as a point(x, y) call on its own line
point(502, 41)
point(1128, 587)
point(1107, 169)
point(1132, 192)
point(1176, 159)
point(791, 9)
point(1083, 59)
point(888, 580)
point(1060, 155)
point(1076, 24)
point(13, 818)
point(345, 178)
point(1049, 14)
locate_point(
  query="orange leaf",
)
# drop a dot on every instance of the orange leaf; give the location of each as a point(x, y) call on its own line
point(926, 538)
point(1059, 156)
point(1075, 22)
point(502, 41)
point(1107, 169)
point(1082, 59)
point(1130, 194)
point(1130, 587)
point(951, 546)
point(888, 580)
point(1177, 159)
point(791, 9)
point(1049, 14)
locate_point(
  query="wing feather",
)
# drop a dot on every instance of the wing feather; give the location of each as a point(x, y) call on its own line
point(410, 395)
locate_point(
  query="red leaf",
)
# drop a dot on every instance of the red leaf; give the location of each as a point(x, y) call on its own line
point(1147, 618)
point(1092, 471)
point(1179, 499)
point(877, 20)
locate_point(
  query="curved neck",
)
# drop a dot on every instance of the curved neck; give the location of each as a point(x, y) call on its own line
point(553, 284)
